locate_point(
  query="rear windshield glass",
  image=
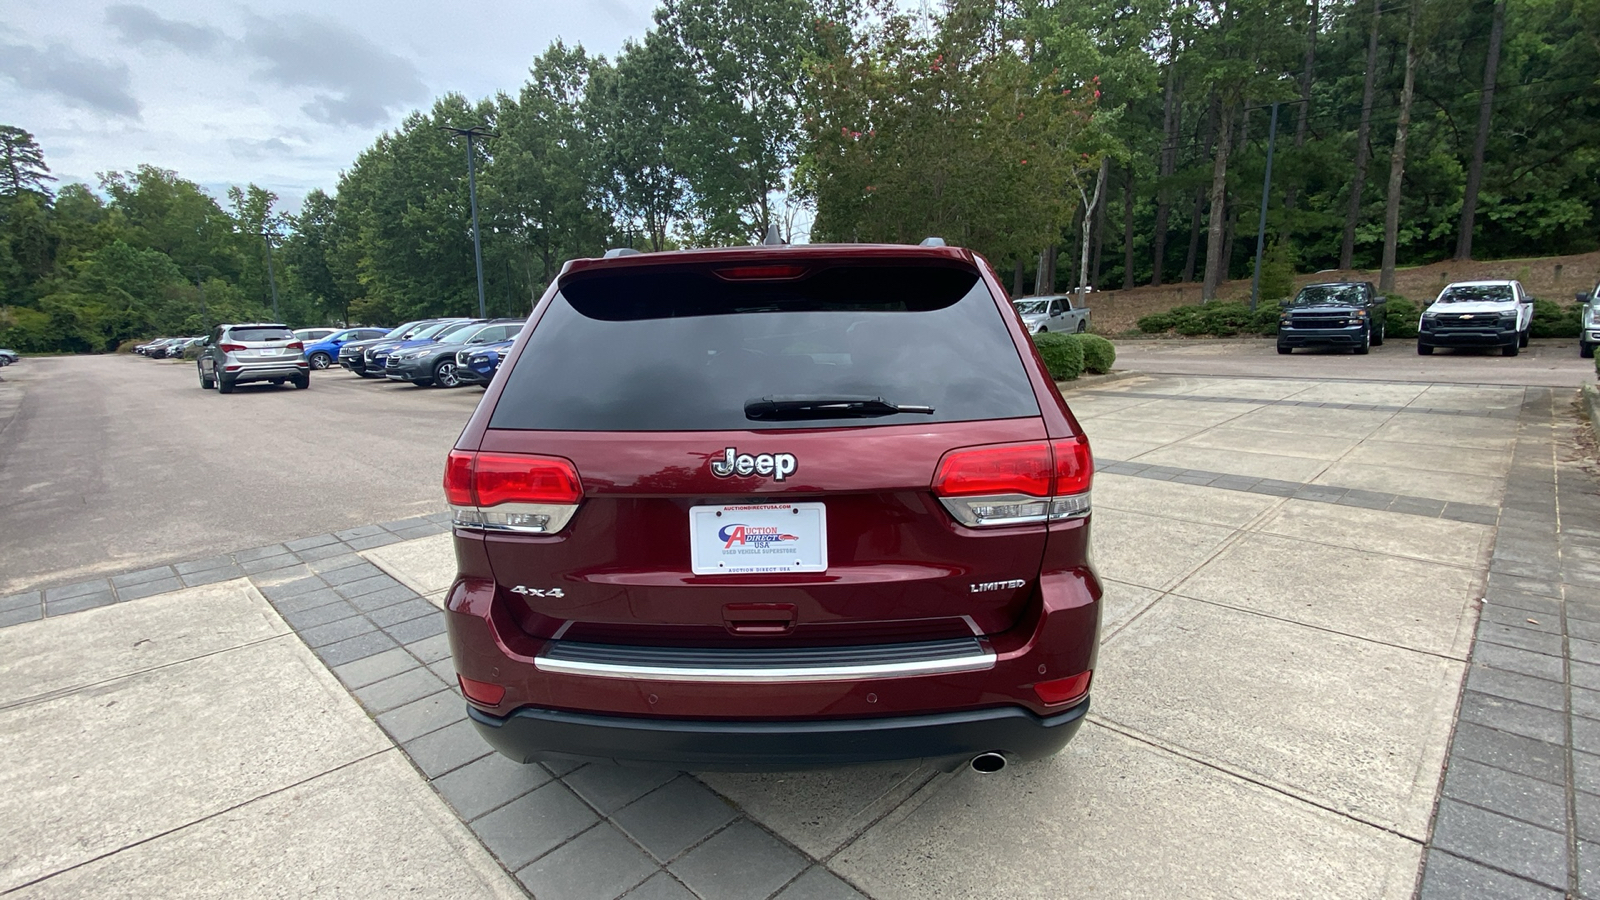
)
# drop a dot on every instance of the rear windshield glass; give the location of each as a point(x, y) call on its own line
point(686, 351)
point(261, 334)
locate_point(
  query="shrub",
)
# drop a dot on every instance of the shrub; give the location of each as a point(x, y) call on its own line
point(191, 353)
point(1400, 320)
point(1277, 271)
point(127, 346)
point(1215, 318)
point(1552, 320)
point(1062, 354)
point(1098, 353)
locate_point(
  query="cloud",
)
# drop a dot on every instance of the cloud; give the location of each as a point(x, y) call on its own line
point(356, 81)
point(139, 25)
point(60, 70)
point(253, 149)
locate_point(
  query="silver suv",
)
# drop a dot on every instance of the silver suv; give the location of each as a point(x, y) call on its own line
point(235, 354)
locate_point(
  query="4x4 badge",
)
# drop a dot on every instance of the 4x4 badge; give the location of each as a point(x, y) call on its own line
point(732, 462)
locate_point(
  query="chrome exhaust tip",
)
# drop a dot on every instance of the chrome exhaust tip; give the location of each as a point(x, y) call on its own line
point(988, 763)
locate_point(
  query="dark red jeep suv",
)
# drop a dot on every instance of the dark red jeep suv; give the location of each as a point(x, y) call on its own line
point(772, 508)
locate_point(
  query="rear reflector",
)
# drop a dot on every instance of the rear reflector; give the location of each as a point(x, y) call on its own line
point(511, 491)
point(481, 692)
point(1064, 690)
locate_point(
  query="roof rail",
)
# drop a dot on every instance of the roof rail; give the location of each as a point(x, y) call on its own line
point(773, 238)
point(932, 242)
point(615, 252)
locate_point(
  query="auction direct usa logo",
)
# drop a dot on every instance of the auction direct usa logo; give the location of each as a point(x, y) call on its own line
point(758, 536)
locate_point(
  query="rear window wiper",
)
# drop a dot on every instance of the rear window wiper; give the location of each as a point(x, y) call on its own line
point(782, 409)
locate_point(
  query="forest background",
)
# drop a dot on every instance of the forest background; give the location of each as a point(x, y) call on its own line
point(1120, 143)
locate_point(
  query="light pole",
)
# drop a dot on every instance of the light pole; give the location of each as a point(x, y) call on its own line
point(476, 131)
point(1261, 226)
point(266, 235)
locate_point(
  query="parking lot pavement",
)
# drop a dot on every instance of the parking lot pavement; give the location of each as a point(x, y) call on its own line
point(189, 744)
point(1292, 595)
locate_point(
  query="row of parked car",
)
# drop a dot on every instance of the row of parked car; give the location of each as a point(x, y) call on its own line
point(1492, 314)
point(443, 352)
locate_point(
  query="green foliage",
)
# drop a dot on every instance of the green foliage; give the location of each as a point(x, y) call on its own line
point(1099, 354)
point(1552, 320)
point(1062, 354)
point(1213, 319)
point(1277, 271)
point(1400, 318)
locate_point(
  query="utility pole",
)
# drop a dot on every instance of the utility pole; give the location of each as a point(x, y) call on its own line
point(1261, 225)
point(476, 131)
point(272, 280)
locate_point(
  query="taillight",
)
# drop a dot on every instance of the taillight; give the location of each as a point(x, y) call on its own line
point(230, 348)
point(1016, 484)
point(511, 491)
point(1062, 690)
point(296, 345)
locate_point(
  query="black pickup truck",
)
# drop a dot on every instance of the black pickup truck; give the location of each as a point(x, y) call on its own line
point(1337, 314)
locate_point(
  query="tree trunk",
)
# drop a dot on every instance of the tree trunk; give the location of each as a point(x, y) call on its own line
point(1469, 200)
point(1127, 233)
point(1169, 155)
point(1099, 245)
point(1044, 277)
point(1291, 195)
point(1199, 198)
point(1090, 205)
point(1348, 247)
point(1397, 161)
point(1016, 279)
point(1218, 209)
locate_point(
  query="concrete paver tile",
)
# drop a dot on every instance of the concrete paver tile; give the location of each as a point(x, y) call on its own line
point(817, 883)
point(20, 615)
point(358, 531)
point(149, 589)
point(534, 824)
point(412, 608)
point(675, 817)
point(424, 564)
point(1412, 603)
point(376, 540)
point(1585, 702)
point(1453, 543)
point(1177, 828)
point(1521, 638)
point(1584, 675)
point(1511, 716)
point(126, 638)
point(419, 717)
point(398, 690)
point(739, 863)
point(336, 631)
point(448, 748)
point(369, 829)
point(1504, 843)
point(609, 788)
point(371, 603)
point(200, 565)
point(1210, 506)
point(212, 576)
point(1501, 614)
point(431, 649)
point(333, 562)
point(1586, 807)
point(79, 603)
point(600, 864)
point(295, 588)
point(1452, 878)
point(1518, 796)
point(1123, 539)
point(22, 600)
point(265, 564)
point(353, 589)
point(1585, 734)
point(131, 578)
point(333, 611)
point(488, 783)
point(375, 668)
point(336, 551)
point(1512, 659)
point(1512, 752)
point(81, 589)
point(352, 649)
point(820, 811)
point(349, 574)
point(285, 718)
point(279, 575)
point(255, 553)
point(306, 543)
point(418, 629)
point(660, 886)
point(1513, 686)
point(1262, 707)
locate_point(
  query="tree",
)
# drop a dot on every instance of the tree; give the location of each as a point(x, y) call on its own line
point(628, 108)
point(1363, 151)
point(1397, 159)
point(22, 166)
point(1469, 201)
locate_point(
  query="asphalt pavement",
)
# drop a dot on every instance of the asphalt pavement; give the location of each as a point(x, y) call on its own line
point(109, 463)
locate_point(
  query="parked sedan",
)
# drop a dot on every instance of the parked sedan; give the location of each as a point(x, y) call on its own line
point(376, 355)
point(435, 363)
point(7, 357)
point(477, 365)
point(321, 353)
point(351, 355)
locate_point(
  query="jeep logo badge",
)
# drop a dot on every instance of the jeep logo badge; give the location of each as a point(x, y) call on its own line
point(732, 462)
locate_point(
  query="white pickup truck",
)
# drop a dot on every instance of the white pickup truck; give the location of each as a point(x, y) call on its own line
point(1054, 312)
point(1477, 314)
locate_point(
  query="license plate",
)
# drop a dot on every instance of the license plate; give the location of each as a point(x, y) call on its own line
point(758, 538)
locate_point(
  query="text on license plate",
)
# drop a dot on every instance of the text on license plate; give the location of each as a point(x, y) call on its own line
point(750, 538)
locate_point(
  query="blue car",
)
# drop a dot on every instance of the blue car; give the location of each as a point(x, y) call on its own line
point(321, 354)
point(477, 365)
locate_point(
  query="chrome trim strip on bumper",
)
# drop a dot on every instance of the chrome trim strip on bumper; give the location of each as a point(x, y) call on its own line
point(743, 666)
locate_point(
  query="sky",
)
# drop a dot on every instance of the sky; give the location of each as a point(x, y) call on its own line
point(282, 94)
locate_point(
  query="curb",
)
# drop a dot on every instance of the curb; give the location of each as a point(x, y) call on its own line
point(1590, 402)
point(1089, 381)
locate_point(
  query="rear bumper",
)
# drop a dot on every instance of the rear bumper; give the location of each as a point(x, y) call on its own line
point(266, 371)
point(529, 734)
point(1321, 337)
